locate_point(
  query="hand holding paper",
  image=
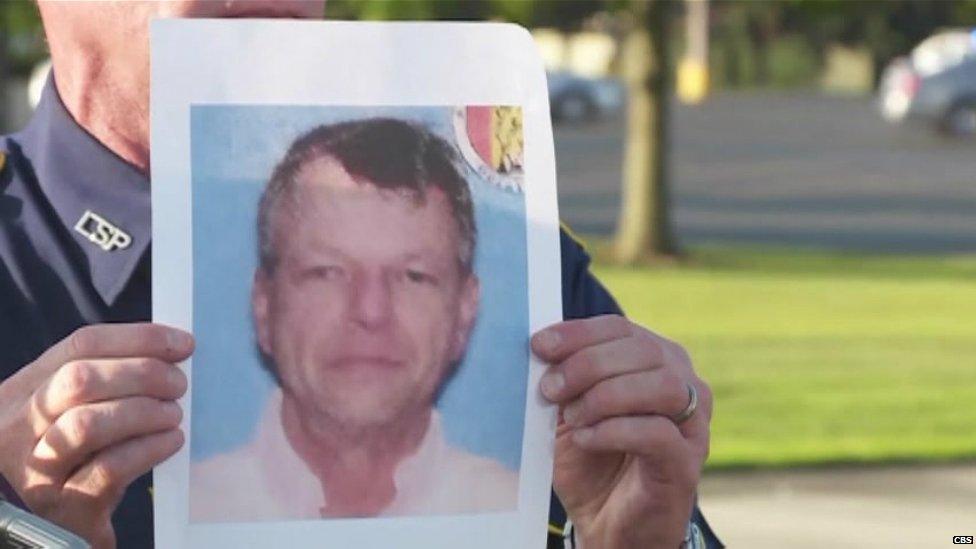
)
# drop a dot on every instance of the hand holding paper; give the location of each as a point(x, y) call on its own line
point(88, 417)
point(624, 469)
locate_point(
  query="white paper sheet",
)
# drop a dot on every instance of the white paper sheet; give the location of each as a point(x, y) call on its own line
point(247, 88)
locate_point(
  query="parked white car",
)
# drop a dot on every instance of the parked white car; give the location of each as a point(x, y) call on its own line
point(935, 84)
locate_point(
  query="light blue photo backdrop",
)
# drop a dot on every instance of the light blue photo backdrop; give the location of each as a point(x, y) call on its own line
point(234, 148)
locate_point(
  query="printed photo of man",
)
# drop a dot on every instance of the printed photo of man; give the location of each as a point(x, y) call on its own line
point(363, 302)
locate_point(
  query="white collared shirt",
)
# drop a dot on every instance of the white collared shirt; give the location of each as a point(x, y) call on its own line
point(266, 480)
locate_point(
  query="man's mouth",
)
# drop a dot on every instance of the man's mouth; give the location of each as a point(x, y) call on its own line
point(262, 14)
point(368, 362)
point(263, 9)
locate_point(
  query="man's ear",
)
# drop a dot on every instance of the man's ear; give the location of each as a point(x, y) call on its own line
point(261, 309)
point(467, 313)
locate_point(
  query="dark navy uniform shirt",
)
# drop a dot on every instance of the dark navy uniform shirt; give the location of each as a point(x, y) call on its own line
point(54, 278)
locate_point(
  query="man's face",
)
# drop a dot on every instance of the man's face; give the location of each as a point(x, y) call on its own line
point(242, 8)
point(367, 307)
point(116, 32)
point(130, 13)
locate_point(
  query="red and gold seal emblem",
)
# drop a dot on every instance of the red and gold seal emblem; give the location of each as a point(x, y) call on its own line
point(490, 139)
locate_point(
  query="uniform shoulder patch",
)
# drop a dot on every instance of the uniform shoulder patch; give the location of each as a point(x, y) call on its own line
point(3, 160)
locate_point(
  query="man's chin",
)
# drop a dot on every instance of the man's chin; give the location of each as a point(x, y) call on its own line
point(365, 421)
point(354, 415)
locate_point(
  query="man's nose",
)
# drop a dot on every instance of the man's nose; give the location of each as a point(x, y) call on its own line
point(371, 302)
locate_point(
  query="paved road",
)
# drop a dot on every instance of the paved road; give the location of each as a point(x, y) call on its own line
point(788, 168)
point(893, 507)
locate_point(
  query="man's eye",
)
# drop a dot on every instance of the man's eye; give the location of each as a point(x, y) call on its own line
point(326, 272)
point(419, 277)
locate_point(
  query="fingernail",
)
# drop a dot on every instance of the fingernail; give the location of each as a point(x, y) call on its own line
point(176, 378)
point(548, 340)
point(582, 436)
point(178, 438)
point(179, 340)
point(552, 384)
point(572, 413)
point(174, 411)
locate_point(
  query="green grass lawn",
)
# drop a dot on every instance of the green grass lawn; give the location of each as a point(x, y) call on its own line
point(818, 358)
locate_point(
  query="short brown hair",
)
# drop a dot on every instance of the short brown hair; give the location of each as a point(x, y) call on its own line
point(385, 152)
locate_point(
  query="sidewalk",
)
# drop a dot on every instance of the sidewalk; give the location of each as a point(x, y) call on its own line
point(904, 506)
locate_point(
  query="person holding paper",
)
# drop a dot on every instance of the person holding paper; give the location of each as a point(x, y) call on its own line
point(85, 412)
point(361, 323)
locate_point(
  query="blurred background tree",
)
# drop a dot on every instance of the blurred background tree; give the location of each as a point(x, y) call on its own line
point(565, 15)
point(783, 43)
point(21, 47)
point(643, 227)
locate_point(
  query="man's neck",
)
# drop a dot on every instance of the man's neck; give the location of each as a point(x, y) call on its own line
point(356, 467)
point(113, 108)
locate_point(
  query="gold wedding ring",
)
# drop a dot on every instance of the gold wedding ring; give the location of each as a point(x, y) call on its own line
point(690, 408)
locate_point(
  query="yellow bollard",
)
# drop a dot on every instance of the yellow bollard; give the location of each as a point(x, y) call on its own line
point(692, 84)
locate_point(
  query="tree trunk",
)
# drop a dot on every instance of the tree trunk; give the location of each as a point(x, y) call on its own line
point(643, 228)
